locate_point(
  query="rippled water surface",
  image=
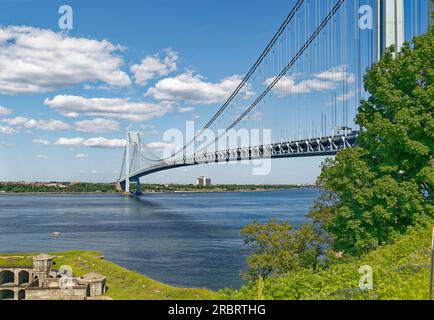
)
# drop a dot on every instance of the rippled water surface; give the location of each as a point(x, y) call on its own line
point(184, 239)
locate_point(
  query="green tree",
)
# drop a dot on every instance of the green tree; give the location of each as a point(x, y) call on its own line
point(279, 248)
point(378, 189)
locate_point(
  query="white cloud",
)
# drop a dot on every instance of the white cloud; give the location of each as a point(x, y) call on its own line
point(41, 141)
point(104, 143)
point(50, 125)
point(5, 111)
point(18, 121)
point(159, 145)
point(81, 155)
point(115, 108)
point(185, 109)
point(288, 85)
point(34, 60)
point(41, 157)
point(7, 130)
point(93, 142)
point(336, 74)
point(46, 125)
point(97, 125)
point(194, 89)
point(69, 142)
point(322, 81)
point(94, 172)
point(152, 66)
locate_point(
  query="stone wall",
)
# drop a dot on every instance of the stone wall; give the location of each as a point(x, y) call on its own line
point(96, 288)
point(26, 275)
point(78, 293)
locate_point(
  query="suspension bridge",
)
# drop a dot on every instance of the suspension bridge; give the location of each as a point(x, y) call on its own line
point(303, 90)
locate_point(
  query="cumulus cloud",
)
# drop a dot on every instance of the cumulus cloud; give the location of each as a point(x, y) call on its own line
point(97, 125)
point(41, 157)
point(194, 89)
point(159, 145)
point(322, 81)
point(46, 125)
point(34, 60)
point(18, 121)
point(92, 143)
point(339, 73)
point(115, 108)
point(69, 142)
point(104, 143)
point(185, 109)
point(288, 85)
point(153, 66)
point(41, 141)
point(5, 111)
point(7, 130)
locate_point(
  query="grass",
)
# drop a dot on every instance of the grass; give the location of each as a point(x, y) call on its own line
point(122, 284)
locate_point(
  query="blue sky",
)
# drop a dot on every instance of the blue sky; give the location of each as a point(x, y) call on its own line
point(127, 65)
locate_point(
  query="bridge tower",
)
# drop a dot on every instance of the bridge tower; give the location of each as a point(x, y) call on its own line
point(390, 31)
point(132, 159)
point(430, 13)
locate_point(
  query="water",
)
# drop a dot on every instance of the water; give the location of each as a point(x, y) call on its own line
point(184, 239)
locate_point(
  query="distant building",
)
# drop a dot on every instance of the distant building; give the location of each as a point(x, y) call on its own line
point(203, 182)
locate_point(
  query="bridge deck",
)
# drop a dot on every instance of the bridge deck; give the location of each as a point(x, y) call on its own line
point(327, 146)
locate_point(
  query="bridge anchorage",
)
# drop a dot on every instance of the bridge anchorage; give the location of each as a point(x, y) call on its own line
point(305, 86)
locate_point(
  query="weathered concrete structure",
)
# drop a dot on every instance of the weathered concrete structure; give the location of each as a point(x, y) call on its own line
point(40, 282)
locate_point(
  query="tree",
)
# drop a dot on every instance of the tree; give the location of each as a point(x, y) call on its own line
point(378, 189)
point(279, 248)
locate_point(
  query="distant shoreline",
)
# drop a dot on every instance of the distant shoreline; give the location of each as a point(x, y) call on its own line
point(156, 192)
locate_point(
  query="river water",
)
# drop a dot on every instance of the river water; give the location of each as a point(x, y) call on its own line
point(184, 239)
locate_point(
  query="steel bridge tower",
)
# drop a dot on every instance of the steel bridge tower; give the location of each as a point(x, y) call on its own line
point(132, 157)
point(390, 25)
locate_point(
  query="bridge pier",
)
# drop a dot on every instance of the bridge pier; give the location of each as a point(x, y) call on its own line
point(138, 191)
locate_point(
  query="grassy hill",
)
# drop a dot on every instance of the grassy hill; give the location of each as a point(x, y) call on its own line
point(121, 283)
point(400, 271)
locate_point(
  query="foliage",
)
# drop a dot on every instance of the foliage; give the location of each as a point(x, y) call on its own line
point(211, 188)
point(400, 271)
point(57, 188)
point(376, 191)
point(66, 187)
point(376, 200)
point(279, 248)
